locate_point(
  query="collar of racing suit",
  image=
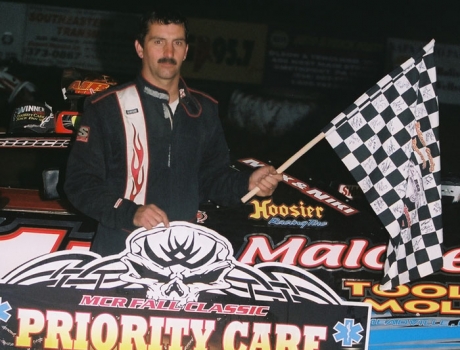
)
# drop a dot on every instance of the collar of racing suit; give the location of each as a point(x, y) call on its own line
point(190, 104)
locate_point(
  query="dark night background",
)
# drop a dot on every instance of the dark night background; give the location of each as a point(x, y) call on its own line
point(375, 20)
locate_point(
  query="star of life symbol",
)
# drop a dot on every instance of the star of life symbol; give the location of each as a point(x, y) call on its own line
point(4, 308)
point(348, 333)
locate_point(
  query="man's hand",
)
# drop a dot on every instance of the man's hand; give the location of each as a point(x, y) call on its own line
point(266, 178)
point(149, 216)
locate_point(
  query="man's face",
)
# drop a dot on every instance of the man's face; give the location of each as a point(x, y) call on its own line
point(163, 52)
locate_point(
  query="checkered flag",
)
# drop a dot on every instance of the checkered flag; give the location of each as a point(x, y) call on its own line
point(388, 139)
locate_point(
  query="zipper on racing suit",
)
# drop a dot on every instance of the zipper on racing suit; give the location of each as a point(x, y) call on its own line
point(168, 115)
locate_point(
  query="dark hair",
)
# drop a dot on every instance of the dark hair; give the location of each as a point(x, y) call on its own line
point(161, 16)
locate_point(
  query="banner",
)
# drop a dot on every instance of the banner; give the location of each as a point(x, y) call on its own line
point(179, 286)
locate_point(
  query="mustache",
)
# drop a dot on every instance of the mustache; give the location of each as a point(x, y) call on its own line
point(167, 60)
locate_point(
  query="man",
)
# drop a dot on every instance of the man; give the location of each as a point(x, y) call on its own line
point(151, 150)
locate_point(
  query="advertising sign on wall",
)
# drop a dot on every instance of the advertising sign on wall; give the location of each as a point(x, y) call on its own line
point(104, 41)
point(94, 40)
point(226, 51)
point(298, 60)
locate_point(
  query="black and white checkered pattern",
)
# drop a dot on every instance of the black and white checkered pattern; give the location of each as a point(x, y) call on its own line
point(388, 139)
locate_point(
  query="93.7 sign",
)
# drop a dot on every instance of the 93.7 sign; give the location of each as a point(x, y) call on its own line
point(225, 51)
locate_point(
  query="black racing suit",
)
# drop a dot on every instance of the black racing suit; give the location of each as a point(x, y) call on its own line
point(188, 161)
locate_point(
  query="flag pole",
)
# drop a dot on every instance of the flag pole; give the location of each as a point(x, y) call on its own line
point(287, 164)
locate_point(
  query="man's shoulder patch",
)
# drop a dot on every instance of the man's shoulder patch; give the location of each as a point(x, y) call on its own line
point(83, 134)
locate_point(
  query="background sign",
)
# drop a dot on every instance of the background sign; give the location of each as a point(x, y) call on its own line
point(104, 41)
point(298, 60)
point(94, 40)
point(226, 51)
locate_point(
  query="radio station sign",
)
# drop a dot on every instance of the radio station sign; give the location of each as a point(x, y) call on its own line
point(226, 51)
